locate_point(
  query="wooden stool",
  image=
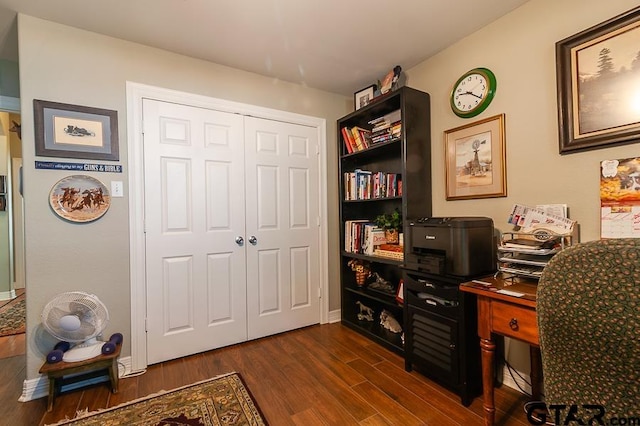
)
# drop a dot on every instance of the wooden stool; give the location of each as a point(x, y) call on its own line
point(93, 367)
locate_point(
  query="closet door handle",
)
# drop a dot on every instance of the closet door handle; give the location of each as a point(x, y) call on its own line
point(253, 240)
point(239, 241)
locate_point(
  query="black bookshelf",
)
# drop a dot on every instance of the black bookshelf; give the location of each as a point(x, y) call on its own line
point(408, 156)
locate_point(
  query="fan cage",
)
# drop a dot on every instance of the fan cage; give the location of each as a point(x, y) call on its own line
point(92, 313)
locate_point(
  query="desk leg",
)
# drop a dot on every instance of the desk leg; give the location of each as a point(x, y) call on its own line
point(536, 373)
point(488, 348)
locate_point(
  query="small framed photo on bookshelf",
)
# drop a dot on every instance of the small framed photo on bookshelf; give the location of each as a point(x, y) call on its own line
point(363, 97)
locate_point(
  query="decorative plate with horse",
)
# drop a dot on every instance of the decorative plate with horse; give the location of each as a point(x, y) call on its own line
point(79, 198)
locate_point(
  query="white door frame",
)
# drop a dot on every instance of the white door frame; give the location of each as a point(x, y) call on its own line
point(135, 93)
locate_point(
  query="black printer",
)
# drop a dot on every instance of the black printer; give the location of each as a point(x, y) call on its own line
point(457, 246)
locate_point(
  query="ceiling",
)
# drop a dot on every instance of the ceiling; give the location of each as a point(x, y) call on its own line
point(338, 46)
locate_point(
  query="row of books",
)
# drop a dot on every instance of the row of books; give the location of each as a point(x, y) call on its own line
point(388, 134)
point(364, 237)
point(356, 138)
point(361, 236)
point(383, 129)
point(367, 185)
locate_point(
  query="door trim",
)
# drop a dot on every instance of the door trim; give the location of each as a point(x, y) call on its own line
point(135, 93)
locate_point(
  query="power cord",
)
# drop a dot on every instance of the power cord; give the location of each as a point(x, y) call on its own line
point(526, 405)
point(511, 372)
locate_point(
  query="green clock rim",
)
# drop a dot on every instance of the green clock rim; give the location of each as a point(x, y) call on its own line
point(493, 86)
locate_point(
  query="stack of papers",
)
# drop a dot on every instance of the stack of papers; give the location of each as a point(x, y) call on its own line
point(532, 219)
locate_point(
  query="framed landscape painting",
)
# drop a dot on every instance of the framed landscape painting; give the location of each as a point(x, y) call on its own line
point(598, 80)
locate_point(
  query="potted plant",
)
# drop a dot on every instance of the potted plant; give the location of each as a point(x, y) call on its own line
point(391, 223)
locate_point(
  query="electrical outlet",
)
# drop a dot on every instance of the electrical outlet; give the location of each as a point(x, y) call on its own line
point(117, 188)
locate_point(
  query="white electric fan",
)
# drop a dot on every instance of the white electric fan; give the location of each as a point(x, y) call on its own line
point(76, 317)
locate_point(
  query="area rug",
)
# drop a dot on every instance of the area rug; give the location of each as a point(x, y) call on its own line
point(13, 317)
point(223, 400)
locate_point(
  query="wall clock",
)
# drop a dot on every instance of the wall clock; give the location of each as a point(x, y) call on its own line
point(473, 92)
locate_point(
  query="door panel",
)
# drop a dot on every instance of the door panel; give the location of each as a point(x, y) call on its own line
point(194, 210)
point(269, 280)
point(282, 213)
point(267, 208)
point(175, 201)
point(177, 288)
point(300, 286)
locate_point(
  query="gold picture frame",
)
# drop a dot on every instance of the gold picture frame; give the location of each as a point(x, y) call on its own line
point(475, 160)
point(595, 71)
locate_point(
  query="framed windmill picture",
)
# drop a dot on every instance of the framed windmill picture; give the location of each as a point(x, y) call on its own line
point(476, 160)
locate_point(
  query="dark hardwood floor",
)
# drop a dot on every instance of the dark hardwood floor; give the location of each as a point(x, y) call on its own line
point(319, 375)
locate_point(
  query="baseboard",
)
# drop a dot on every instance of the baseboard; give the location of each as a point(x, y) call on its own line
point(8, 295)
point(335, 316)
point(39, 387)
point(516, 382)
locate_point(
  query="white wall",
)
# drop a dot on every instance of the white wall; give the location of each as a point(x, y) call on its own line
point(520, 49)
point(60, 63)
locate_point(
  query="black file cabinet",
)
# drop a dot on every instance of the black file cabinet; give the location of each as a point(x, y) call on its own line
point(441, 339)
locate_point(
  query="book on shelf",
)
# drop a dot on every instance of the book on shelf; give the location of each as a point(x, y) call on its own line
point(386, 120)
point(392, 247)
point(373, 238)
point(363, 182)
point(397, 255)
point(362, 137)
point(392, 251)
point(346, 140)
point(353, 235)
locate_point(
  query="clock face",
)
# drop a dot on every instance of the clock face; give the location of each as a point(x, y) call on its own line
point(473, 92)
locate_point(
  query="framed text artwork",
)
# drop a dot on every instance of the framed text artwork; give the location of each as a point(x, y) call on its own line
point(476, 160)
point(598, 75)
point(74, 131)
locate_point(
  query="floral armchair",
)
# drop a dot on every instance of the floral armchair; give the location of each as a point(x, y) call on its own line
point(589, 320)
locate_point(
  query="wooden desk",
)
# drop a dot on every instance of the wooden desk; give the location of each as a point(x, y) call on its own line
point(510, 316)
point(93, 367)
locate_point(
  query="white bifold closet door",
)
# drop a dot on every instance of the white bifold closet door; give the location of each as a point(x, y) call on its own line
point(231, 226)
